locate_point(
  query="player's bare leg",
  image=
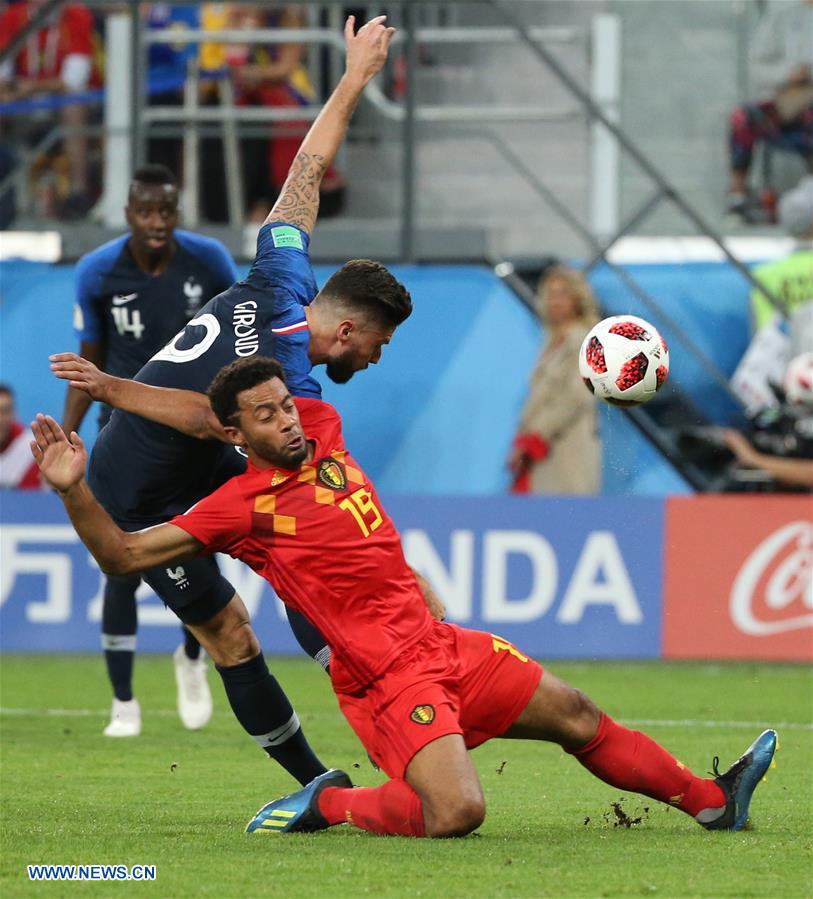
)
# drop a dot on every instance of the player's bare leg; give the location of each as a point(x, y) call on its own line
point(444, 777)
point(441, 797)
point(256, 698)
point(557, 713)
point(441, 793)
point(228, 637)
point(630, 760)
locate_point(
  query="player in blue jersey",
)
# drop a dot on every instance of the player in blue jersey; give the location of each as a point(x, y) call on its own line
point(133, 295)
point(145, 473)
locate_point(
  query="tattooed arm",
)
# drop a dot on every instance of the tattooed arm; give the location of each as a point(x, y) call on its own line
point(298, 202)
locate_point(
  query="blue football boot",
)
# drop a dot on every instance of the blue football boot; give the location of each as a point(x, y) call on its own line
point(298, 812)
point(740, 781)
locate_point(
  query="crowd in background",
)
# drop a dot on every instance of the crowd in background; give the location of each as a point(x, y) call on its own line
point(780, 115)
point(66, 57)
point(63, 57)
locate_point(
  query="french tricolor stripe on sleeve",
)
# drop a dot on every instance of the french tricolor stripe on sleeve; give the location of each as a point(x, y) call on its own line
point(291, 329)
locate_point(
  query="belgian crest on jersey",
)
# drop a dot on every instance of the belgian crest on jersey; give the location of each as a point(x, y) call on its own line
point(331, 474)
point(423, 714)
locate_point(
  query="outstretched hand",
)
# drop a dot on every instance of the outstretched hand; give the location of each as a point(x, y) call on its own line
point(740, 446)
point(367, 48)
point(81, 373)
point(61, 461)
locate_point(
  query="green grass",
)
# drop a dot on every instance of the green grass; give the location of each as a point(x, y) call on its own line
point(180, 800)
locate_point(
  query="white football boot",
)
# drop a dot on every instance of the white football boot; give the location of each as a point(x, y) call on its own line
point(194, 695)
point(125, 719)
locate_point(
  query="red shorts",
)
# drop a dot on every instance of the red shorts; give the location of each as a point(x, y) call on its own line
point(453, 681)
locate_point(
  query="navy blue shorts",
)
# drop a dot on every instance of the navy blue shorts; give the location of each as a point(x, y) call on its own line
point(195, 590)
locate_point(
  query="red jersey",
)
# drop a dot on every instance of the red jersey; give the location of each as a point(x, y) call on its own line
point(17, 468)
point(42, 55)
point(321, 538)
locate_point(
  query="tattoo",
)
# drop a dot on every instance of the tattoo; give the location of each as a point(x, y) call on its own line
point(298, 204)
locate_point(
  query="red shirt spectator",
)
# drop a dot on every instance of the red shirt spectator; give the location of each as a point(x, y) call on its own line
point(17, 466)
point(58, 56)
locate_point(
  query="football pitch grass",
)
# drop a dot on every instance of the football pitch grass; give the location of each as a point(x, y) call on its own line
point(180, 800)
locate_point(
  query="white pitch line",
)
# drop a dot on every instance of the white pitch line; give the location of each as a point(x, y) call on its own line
point(700, 722)
point(78, 713)
point(632, 722)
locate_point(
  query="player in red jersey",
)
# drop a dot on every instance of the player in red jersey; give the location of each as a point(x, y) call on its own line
point(419, 693)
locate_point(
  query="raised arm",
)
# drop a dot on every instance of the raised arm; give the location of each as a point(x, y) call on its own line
point(62, 463)
point(78, 402)
point(298, 202)
point(184, 410)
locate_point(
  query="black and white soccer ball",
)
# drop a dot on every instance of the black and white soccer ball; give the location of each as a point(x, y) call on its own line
point(624, 360)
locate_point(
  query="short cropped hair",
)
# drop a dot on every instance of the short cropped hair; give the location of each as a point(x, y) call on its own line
point(153, 173)
point(371, 288)
point(4, 388)
point(234, 378)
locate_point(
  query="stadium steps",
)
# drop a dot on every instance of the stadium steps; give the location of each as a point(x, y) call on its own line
point(468, 196)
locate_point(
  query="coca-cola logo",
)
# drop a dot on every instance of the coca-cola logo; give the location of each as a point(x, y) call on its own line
point(775, 583)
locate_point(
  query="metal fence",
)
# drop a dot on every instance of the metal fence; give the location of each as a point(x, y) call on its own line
point(592, 99)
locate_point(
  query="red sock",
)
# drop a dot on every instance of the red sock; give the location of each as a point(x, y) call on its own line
point(632, 761)
point(393, 808)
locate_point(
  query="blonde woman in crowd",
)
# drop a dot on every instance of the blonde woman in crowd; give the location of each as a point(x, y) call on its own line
point(556, 449)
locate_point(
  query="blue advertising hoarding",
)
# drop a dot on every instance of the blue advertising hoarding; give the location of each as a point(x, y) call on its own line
point(561, 578)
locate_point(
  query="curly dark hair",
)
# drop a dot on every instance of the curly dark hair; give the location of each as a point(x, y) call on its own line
point(234, 378)
point(370, 288)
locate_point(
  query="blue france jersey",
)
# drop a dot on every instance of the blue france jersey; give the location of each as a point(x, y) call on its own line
point(132, 313)
point(144, 472)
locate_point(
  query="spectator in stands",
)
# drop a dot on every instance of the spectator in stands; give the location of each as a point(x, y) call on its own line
point(557, 449)
point(780, 444)
point(791, 278)
point(781, 59)
point(56, 59)
point(15, 454)
point(272, 75)
point(168, 64)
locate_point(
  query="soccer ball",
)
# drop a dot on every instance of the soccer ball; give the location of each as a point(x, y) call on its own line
point(624, 360)
point(799, 380)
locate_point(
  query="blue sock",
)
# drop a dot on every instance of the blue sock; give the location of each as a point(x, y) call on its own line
point(119, 623)
point(263, 709)
point(190, 644)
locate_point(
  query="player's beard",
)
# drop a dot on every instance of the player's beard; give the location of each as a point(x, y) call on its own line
point(282, 458)
point(340, 370)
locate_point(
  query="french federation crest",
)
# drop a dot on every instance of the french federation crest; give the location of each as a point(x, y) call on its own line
point(423, 714)
point(331, 474)
point(193, 293)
